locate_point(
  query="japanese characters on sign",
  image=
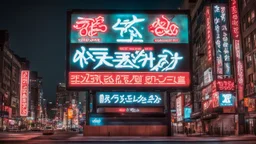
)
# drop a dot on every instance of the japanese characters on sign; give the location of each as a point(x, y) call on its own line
point(234, 18)
point(24, 92)
point(223, 52)
point(179, 107)
point(226, 99)
point(187, 112)
point(226, 85)
point(140, 58)
point(129, 28)
point(128, 79)
point(142, 49)
point(209, 39)
point(129, 98)
point(208, 77)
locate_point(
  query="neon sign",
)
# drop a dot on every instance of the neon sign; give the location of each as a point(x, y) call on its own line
point(96, 121)
point(164, 27)
point(226, 99)
point(129, 28)
point(126, 27)
point(208, 18)
point(187, 112)
point(179, 107)
point(225, 85)
point(237, 46)
point(134, 49)
point(223, 54)
point(128, 79)
point(138, 59)
point(129, 98)
point(24, 92)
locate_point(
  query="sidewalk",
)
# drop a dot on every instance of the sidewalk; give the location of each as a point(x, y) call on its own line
point(80, 138)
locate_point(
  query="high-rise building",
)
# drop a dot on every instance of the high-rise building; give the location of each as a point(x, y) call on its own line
point(10, 68)
point(248, 28)
point(217, 78)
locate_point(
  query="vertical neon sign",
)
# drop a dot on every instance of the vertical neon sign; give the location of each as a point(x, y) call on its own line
point(218, 42)
point(24, 92)
point(209, 40)
point(237, 45)
point(223, 54)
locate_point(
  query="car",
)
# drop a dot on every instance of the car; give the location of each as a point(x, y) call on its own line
point(35, 129)
point(12, 129)
point(48, 130)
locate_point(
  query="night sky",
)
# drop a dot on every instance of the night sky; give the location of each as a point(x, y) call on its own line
point(38, 30)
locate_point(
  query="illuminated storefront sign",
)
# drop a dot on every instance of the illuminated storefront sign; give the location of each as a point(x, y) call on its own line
point(129, 98)
point(130, 110)
point(129, 28)
point(225, 85)
point(234, 18)
point(24, 92)
point(209, 40)
point(179, 107)
point(70, 113)
point(222, 40)
point(187, 112)
point(138, 49)
point(226, 99)
point(208, 78)
point(96, 121)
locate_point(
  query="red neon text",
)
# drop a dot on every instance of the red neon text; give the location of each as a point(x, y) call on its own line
point(225, 85)
point(209, 33)
point(24, 91)
point(90, 26)
point(129, 79)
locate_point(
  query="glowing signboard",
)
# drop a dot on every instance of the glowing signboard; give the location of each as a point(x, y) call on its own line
point(128, 49)
point(235, 27)
point(187, 112)
point(24, 92)
point(222, 40)
point(129, 28)
point(226, 99)
point(129, 98)
point(179, 107)
point(111, 66)
point(209, 40)
point(226, 85)
point(96, 121)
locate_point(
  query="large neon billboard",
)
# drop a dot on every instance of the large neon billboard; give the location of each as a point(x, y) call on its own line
point(24, 92)
point(145, 49)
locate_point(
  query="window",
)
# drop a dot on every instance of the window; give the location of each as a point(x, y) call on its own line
point(252, 16)
point(254, 39)
point(248, 46)
point(254, 56)
point(251, 78)
point(249, 61)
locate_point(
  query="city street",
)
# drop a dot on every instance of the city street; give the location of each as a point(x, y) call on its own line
point(72, 137)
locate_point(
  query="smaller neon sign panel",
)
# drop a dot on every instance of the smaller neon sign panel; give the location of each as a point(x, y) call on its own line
point(96, 121)
point(225, 85)
point(129, 98)
point(187, 112)
point(226, 99)
point(24, 92)
point(128, 79)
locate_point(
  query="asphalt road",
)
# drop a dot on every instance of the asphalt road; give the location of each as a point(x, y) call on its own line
point(74, 138)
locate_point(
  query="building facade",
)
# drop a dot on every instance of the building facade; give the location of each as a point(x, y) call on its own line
point(10, 69)
point(217, 73)
point(248, 28)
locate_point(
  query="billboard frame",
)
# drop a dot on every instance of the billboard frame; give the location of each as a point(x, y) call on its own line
point(111, 11)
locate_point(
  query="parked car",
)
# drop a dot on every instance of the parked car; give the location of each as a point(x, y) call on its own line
point(48, 130)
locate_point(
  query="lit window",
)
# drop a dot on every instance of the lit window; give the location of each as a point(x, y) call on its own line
point(252, 16)
point(249, 61)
